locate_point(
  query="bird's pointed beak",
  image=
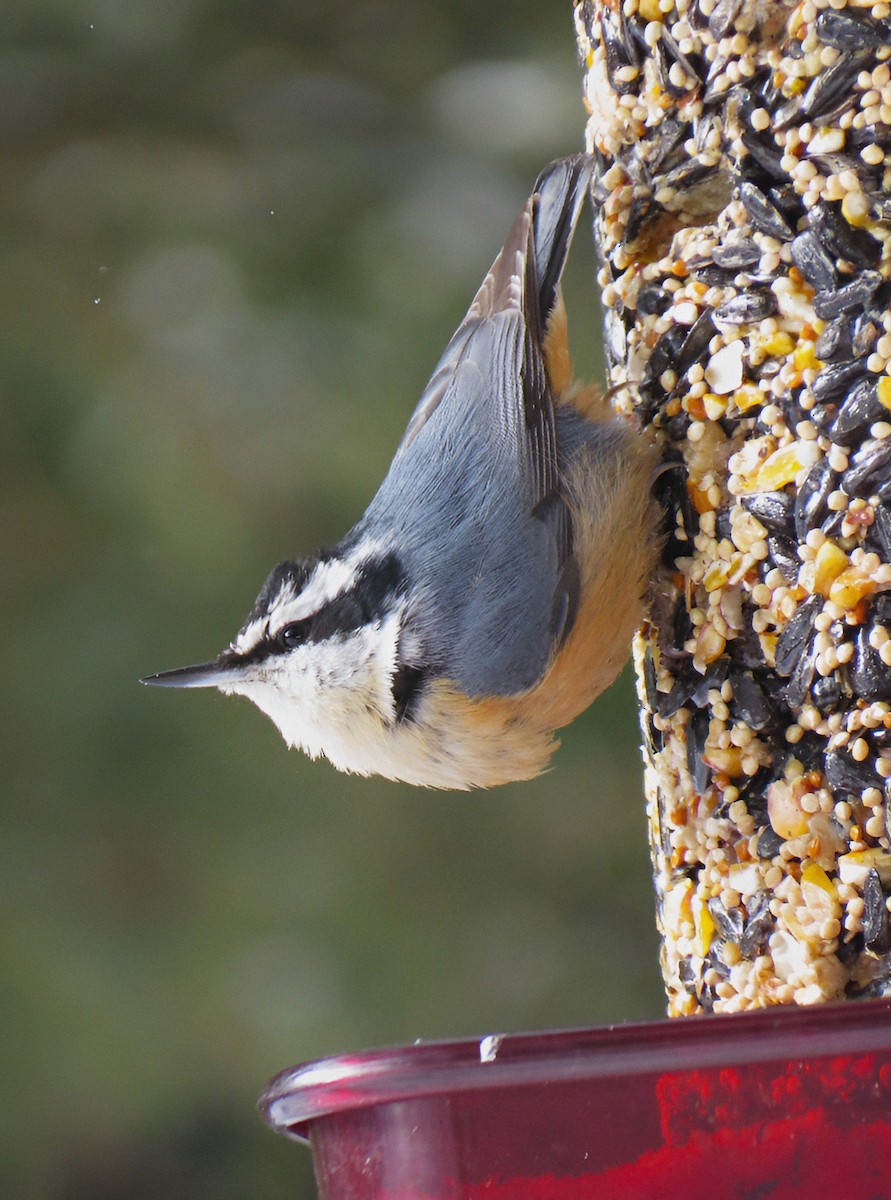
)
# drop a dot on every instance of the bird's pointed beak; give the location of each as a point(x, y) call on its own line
point(219, 674)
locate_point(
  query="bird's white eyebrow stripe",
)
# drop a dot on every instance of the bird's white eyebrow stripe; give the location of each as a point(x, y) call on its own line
point(249, 637)
point(329, 579)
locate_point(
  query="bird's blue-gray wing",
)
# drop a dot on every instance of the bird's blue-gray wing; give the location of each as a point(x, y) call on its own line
point(474, 493)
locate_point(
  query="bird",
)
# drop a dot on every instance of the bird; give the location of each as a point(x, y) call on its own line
point(491, 589)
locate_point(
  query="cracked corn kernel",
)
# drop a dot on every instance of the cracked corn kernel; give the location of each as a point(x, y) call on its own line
point(829, 564)
point(817, 877)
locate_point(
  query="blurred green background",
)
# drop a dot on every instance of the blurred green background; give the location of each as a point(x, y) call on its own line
point(235, 238)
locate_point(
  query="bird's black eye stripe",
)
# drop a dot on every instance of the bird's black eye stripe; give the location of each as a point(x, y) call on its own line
point(342, 615)
point(368, 600)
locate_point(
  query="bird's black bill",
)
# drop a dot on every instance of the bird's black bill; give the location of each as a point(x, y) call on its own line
point(210, 674)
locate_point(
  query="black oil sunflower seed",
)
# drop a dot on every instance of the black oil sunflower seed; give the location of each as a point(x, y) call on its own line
point(769, 842)
point(856, 294)
point(814, 264)
point(847, 777)
point(857, 246)
point(870, 469)
point(876, 925)
point(696, 342)
point(860, 409)
point(783, 553)
point(734, 256)
point(836, 340)
point(864, 334)
point(832, 85)
point(775, 510)
point(722, 17)
point(882, 529)
point(795, 638)
point(652, 300)
point(697, 731)
point(728, 921)
point(836, 381)
point(764, 216)
point(870, 679)
point(847, 31)
point(750, 703)
point(811, 502)
point(759, 919)
point(746, 308)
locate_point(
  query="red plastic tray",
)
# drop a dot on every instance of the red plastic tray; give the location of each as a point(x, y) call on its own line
point(776, 1105)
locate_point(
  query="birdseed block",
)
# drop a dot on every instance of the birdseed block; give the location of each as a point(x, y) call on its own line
point(743, 220)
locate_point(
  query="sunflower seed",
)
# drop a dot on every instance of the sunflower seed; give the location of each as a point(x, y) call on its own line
point(868, 675)
point(826, 692)
point(769, 843)
point(749, 701)
point(686, 175)
point(822, 415)
point(746, 307)
point(836, 339)
point(643, 211)
point(759, 919)
point(812, 261)
point(764, 151)
point(812, 497)
point(882, 528)
point(832, 85)
point(876, 926)
point(800, 679)
point(865, 332)
point(652, 300)
point(835, 381)
point(665, 352)
point(620, 52)
point(847, 777)
point(728, 921)
point(845, 31)
point(871, 466)
point(736, 255)
point(764, 215)
point(783, 552)
point(696, 342)
point(668, 146)
point(856, 246)
point(687, 65)
point(795, 638)
point(722, 17)
point(712, 679)
point(775, 510)
point(860, 409)
point(697, 731)
point(851, 295)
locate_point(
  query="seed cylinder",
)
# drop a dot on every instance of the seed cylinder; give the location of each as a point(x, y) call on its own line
point(743, 221)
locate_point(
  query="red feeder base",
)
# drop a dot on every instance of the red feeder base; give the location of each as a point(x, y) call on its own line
point(782, 1104)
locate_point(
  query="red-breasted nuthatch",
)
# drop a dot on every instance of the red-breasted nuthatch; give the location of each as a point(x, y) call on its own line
point(490, 591)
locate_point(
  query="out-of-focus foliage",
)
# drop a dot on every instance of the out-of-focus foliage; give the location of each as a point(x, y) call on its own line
point(234, 239)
